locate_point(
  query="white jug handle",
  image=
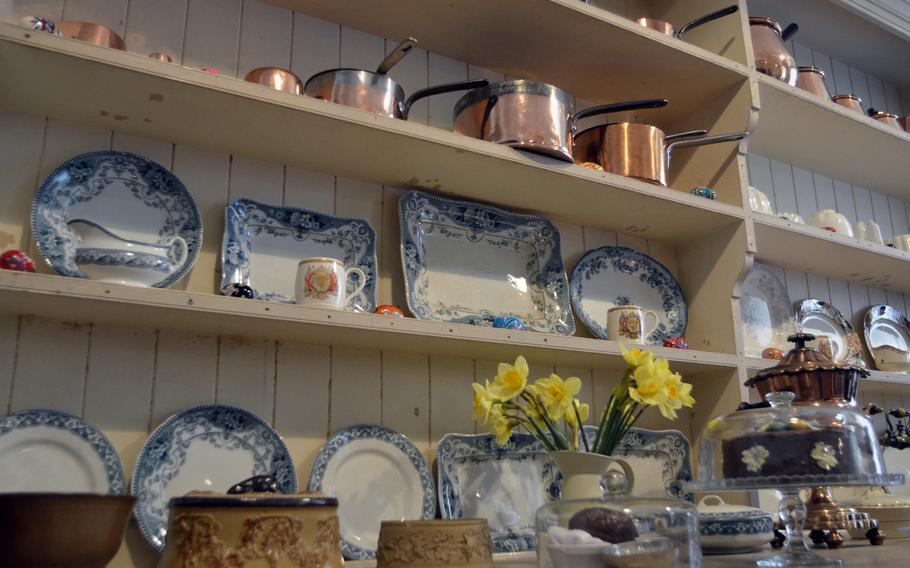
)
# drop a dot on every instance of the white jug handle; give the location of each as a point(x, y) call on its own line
point(182, 249)
point(360, 284)
point(644, 324)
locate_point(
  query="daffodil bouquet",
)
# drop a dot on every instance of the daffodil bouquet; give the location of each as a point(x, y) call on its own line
point(550, 410)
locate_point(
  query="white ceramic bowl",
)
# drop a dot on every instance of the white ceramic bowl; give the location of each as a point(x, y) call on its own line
point(759, 202)
point(730, 529)
point(792, 217)
point(831, 220)
point(891, 511)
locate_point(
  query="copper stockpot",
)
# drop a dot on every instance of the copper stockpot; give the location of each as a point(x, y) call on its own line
point(905, 123)
point(771, 55)
point(276, 78)
point(888, 118)
point(668, 29)
point(812, 80)
point(851, 102)
point(91, 33)
point(639, 151)
point(529, 115)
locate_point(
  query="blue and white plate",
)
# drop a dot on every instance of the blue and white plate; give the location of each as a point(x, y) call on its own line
point(131, 211)
point(204, 448)
point(503, 484)
point(263, 244)
point(765, 311)
point(619, 276)
point(649, 452)
point(52, 451)
point(469, 263)
point(378, 475)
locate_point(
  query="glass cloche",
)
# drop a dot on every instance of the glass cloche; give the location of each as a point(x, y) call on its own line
point(618, 531)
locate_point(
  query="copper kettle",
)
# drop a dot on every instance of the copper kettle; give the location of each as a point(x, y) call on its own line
point(771, 54)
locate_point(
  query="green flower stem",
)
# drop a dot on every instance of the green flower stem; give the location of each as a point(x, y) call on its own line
point(580, 426)
point(558, 439)
point(540, 434)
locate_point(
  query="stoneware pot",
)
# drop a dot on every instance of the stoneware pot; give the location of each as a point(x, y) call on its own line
point(250, 527)
point(728, 529)
point(582, 470)
point(56, 530)
point(461, 543)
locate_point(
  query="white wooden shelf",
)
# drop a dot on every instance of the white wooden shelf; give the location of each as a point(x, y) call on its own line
point(589, 52)
point(112, 89)
point(810, 249)
point(801, 129)
point(73, 299)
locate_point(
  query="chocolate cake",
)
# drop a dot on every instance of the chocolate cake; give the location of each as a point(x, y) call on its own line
point(794, 451)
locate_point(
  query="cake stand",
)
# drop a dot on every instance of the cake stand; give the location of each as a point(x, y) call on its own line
point(792, 510)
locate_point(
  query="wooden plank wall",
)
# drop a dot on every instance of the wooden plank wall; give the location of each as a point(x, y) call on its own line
point(127, 380)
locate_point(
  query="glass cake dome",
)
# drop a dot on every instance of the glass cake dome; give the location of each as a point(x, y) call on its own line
point(789, 446)
point(618, 531)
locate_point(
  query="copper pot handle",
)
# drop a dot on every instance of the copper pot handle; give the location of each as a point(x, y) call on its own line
point(789, 32)
point(702, 142)
point(396, 55)
point(441, 89)
point(707, 18)
point(686, 134)
point(614, 107)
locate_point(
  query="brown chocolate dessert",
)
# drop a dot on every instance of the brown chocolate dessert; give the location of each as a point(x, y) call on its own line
point(605, 524)
point(794, 452)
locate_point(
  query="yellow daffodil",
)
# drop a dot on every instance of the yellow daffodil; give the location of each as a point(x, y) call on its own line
point(636, 357)
point(501, 427)
point(649, 385)
point(511, 380)
point(584, 410)
point(483, 401)
point(557, 394)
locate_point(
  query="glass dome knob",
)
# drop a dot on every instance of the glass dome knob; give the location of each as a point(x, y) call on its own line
point(781, 398)
point(613, 483)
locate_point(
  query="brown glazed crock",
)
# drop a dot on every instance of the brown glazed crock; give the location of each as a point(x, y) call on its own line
point(811, 375)
point(57, 530)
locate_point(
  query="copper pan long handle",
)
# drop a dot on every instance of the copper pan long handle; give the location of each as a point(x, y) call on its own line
point(707, 18)
point(614, 107)
point(702, 142)
point(396, 55)
point(440, 89)
point(686, 134)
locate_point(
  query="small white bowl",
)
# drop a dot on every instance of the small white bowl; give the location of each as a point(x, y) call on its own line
point(831, 220)
point(759, 202)
point(792, 217)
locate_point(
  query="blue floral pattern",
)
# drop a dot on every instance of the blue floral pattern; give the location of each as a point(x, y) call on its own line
point(344, 437)
point(112, 257)
point(90, 176)
point(219, 426)
point(522, 449)
point(600, 263)
point(676, 471)
point(735, 523)
point(42, 418)
point(354, 239)
point(535, 240)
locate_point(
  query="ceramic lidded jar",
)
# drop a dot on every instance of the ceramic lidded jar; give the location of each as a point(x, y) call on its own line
point(616, 530)
point(252, 529)
point(811, 375)
point(458, 543)
point(726, 528)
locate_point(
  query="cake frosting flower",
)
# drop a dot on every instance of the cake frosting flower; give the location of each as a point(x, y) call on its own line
point(755, 457)
point(824, 456)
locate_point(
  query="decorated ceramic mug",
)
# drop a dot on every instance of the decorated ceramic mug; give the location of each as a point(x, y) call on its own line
point(322, 282)
point(627, 323)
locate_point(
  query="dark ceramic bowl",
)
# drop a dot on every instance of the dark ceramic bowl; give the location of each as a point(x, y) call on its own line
point(56, 530)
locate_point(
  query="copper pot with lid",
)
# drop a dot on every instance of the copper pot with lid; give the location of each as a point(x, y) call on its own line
point(771, 54)
point(811, 375)
point(812, 80)
point(667, 28)
point(640, 151)
point(529, 115)
point(888, 118)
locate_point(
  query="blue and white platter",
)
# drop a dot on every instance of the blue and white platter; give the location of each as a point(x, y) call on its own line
point(619, 276)
point(263, 244)
point(377, 475)
point(204, 448)
point(117, 217)
point(52, 451)
point(470, 263)
point(765, 311)
point(668, 452)
point(503, 484)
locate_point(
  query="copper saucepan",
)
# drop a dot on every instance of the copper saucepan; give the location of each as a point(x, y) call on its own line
point(888, 118)
point(276, 78)
point(668, 29)
point(771, 54)
point(374, 91)
point(92, 33)
point(529, 115)
point(637, 150)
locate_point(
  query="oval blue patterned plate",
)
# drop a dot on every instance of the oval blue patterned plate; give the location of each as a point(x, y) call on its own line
point(118, 216)
point(619, 276)
point(204, 448)
point(52, 451)
point(377, 475)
